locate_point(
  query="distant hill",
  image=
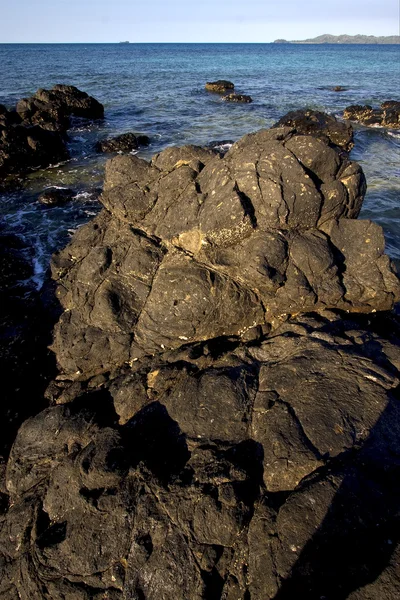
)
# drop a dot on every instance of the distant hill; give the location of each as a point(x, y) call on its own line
point(345, 39)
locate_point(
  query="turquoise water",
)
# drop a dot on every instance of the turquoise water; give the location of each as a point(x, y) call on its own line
point(158, 89)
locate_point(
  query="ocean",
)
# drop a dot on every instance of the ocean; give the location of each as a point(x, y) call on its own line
point(158, 90)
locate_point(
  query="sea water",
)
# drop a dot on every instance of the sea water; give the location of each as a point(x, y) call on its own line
point(158, 90)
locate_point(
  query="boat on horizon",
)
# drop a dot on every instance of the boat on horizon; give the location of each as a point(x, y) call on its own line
point(124, 42)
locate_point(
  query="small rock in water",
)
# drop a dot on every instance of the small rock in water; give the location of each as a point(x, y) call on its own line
point(220, 86)
point(56, 196)
point(388, 115)
point(122, 143)
point(237, 98)
point(51, 109)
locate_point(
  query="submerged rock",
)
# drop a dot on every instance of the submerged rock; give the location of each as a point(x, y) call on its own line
point(218, 428)
point(388, 115)
point(320, 125)
point(122, 143)
point(220, 86)
point(237, 98)
point(56, 196)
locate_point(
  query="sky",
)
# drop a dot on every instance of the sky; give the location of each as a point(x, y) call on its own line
point(192, 21)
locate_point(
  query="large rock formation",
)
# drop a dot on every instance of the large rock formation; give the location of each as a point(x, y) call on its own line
point(206, 438)
point(193, 246)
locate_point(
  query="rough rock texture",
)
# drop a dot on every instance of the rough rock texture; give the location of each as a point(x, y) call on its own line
point(238, 98)
point(193, 246)
point(219, 429)
point(122, 143)
point(259, 471)
point(220, 86)
point(388, 115)
point(320, 125)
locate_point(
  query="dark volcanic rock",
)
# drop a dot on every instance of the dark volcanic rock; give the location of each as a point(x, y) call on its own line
point(216, 430)
point(267, 456)
point(33, 136)
point(23, 148)
point(122, 143)
point(56, 196)
point(388, 115)
point(193, 246)
point(51, 109)
point(237, 98)
point(220, 86)
point(320, 125)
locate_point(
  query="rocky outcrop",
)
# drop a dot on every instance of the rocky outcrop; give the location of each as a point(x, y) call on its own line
point(388, 115)
point(33, 135)
point(237, 98)
point(218, 429)
point(23, 148)
point(249, 471)
point(123, 143)
point(220, 87)
point(193, 246)
point(52, 109)
point(321, 125)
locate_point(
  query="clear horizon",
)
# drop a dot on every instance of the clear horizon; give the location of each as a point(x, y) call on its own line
point(176, 21)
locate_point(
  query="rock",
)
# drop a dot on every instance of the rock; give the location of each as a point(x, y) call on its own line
point(252, 455)
point(56, 196)
point(339, 88)
point(220, 86)
point(388, 115)
point(33, 136)
point(321, 125)
point(122, 143)
point(193, 246)
point(23, 148)
point(391, 104)
point(237, 98)
point(225, 422)
point(52, 109)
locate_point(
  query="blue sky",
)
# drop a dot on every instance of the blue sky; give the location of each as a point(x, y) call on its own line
point(186, 21)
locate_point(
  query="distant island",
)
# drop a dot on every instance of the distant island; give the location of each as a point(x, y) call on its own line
point(345, 39)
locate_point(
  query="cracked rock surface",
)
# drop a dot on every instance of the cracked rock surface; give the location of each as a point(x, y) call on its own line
point(192, 246)
point(220, 429)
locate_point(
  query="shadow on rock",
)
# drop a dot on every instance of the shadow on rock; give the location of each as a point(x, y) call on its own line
point(353, 553)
